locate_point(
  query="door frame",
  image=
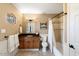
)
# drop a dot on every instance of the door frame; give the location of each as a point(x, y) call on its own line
point(66, 32)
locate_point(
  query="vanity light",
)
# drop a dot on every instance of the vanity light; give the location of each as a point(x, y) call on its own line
point(30, 20)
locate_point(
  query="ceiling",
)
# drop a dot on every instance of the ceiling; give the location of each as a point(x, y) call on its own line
point(36, 8)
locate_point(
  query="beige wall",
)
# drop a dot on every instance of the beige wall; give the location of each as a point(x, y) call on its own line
point(37, 18)
point(10, 28)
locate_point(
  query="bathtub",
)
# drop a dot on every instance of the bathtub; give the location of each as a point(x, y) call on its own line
point(58, 50)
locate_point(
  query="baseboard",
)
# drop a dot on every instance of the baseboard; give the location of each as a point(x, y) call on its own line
point(29, 49)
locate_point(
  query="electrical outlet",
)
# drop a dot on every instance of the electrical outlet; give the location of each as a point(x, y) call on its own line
point(2, 30)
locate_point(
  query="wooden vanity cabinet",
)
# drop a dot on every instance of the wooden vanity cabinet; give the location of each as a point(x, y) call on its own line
point(29, 42)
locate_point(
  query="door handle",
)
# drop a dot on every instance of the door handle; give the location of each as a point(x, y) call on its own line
point(71, 46)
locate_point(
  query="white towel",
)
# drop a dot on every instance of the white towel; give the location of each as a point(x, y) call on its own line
point(11, 43)
point(16, 40)
point(51, 36)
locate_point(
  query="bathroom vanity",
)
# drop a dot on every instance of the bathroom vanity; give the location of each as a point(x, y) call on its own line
point(29, 41)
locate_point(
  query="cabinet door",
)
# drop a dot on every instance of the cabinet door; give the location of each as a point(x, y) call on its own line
point(28, 43)
point(21, 42)
point(21, 45)
point(36, 42)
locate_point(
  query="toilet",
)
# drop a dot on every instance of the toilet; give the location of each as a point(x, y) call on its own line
point(44, 43)
point(44, 46)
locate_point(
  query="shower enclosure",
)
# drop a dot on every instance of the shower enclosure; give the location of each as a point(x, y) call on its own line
point(59, 30)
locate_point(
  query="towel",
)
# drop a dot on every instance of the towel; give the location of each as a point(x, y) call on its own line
point(16, 40)
point(11, 43)
point(51, 35)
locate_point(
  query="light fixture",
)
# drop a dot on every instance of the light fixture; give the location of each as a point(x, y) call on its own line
point(30, 20)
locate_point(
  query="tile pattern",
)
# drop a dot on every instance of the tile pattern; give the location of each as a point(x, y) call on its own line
point(34, 53)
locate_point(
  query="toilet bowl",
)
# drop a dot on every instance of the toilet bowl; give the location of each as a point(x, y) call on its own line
point(44, 42)
point(44, 46)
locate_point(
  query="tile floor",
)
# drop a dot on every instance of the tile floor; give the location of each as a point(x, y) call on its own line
point(33, 53)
